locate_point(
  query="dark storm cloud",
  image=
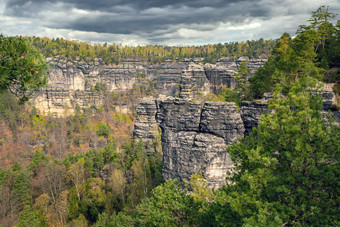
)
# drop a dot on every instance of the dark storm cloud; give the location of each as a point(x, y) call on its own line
point(157, 21)
point(108, 5)
point(131, 16)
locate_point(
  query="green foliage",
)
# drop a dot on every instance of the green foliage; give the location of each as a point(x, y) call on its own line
point(115, 54)
point(122, 117)
point(37, 159)
point(79, 221)
point(327, 48)
point(311, 53)
point(115, 220)
point(4, 174)
point(288, 170)
point(168, 206)
point(10, 110)
point(30, 218)
point(242, 87)
point(242, 90)
point(22, 68)
point(21, 194)
point(199, 189)
point(16, 167)
point(103, 129)
point(100, 87)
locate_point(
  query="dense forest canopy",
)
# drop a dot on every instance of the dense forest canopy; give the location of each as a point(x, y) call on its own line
point(286, 173)
point(114, 53)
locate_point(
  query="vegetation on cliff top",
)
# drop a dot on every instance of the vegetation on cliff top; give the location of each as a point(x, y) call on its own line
point(314, 50)
point(113, 53)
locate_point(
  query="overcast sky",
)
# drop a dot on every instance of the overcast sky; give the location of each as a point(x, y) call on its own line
point(165, 22)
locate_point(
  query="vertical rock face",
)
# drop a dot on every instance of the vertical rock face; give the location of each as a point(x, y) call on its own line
point(251, 113)
point(199, 79)
point(72, 83)
point(223, 120)
point(220, 75)
point(194, 136)
point(167, 76)
point(146, 125)
point(328, 97)
point(194, 82)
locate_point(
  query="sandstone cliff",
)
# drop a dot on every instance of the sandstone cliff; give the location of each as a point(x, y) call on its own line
point(83, 84)
point(195, 134)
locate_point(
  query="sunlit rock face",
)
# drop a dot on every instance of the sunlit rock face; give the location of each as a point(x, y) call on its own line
point(146, 126)
point(74, 84)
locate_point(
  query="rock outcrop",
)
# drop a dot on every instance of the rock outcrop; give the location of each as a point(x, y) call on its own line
point(194, 82)
point(146, 126)
point(251, 113)
point(194, 136)
point(79, 83)
point(198, 80)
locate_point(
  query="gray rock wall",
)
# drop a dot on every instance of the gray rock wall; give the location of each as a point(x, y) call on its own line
point(194, 137)
point(250, 114)
point(146, 126)
point(72, 83)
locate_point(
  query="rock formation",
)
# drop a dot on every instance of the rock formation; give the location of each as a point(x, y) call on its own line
point(146, 126)
point(199, 79)
point(76, 83)
point(251, 113)
point(194, 137)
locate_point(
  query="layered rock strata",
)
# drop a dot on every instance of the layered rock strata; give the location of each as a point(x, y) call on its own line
point(198, 80)
point(194, 136)
point(79, 83)
point(146, 126)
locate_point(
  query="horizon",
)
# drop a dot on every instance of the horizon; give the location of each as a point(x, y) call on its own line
point(165, 23)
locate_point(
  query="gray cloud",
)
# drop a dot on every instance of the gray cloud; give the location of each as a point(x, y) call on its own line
point(159, 21)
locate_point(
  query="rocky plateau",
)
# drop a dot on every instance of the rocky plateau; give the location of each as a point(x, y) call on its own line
point(72, 84)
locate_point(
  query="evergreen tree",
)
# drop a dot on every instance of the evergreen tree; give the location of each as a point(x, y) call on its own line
point(287, 171)
point(168, 206)
point(242, 87)
point(21, 194)
point(22, 68)
point(30, 218)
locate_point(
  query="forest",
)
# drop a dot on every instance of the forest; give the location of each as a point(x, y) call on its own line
point(86, 170)
point(115, 53)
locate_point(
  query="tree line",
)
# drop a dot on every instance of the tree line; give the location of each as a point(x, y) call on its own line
point(115, 53)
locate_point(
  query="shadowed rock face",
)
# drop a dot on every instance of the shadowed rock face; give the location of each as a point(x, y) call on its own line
point(250, 114)
point(194, 136)
point(199, 79)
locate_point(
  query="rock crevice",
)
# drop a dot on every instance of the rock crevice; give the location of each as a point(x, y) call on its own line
point(194, 137)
